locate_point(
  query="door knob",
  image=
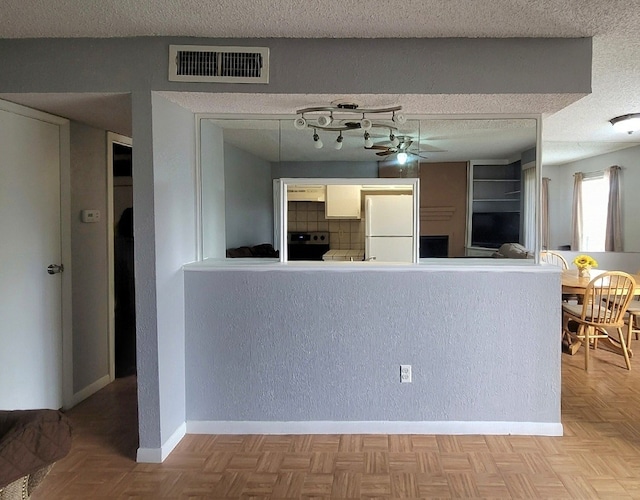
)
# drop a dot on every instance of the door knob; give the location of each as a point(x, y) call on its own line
point(55, 268)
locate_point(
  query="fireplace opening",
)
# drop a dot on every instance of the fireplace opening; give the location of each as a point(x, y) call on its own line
point(434, 246)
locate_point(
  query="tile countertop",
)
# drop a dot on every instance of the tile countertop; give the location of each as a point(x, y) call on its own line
point(348, 255)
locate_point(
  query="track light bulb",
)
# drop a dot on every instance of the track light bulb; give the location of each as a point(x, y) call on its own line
point(394, 140)
point(402, 158)
point(324, 121)
point(365, 124)
point(367, 140)
point(338, 144)
point(317, 143)
point(300, 123)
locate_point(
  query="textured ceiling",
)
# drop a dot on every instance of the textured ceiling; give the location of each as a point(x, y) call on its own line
point(579, 130)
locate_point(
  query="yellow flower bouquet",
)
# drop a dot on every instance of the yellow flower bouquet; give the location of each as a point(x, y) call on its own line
point(584, 263)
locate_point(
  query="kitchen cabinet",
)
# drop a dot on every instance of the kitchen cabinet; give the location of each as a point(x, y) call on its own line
point(342, 202)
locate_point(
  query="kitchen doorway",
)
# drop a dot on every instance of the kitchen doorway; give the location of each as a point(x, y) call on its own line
point(123, 325)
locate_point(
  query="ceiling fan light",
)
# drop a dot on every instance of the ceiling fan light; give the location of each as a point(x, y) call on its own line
point(402, 158)
point(365, 124)
point(317, 143)
point(367, 140)
point(626, 123)
point(300, 123)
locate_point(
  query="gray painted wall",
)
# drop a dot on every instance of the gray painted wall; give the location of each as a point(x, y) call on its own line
point(248, 195)
point(328, 169)
point(561, 195)
point(309, 66)
point(267, 346)
point(144, 228)
point(89, 256)
point(139, 65)
point(175, 204)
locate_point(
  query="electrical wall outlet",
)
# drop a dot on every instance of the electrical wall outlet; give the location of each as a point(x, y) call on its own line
point(405, 374)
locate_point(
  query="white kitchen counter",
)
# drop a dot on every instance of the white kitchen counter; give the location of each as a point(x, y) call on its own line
point(460, 265)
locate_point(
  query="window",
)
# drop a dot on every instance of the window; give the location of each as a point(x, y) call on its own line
point(595, 197)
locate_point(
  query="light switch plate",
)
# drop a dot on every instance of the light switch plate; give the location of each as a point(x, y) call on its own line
point(90, 215)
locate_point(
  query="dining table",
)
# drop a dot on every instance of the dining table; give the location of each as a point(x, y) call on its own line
point(573, 284)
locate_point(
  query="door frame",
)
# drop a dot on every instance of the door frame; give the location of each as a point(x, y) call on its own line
point(65, 238)
point(112, 138)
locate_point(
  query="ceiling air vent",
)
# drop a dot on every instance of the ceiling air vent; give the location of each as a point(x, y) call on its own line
point(199, 63)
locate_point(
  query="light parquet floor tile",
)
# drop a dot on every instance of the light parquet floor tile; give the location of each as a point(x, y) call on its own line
point(598, 456)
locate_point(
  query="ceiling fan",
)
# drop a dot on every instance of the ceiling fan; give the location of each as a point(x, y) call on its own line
point(404, 144)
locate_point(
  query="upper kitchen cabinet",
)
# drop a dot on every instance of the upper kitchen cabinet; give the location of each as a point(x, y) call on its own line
point(343, 202)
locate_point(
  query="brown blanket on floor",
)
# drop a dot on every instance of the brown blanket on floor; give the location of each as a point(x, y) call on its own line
point(30, 440)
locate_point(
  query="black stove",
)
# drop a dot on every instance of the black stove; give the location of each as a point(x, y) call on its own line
point(307, 246)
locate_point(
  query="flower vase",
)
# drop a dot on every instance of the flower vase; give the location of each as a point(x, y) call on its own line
point(584, 272)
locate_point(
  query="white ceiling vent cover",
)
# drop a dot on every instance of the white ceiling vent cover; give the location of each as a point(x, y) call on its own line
point(201, 63)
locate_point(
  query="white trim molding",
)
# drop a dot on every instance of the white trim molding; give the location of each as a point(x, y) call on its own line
point(158, 455)
point(112, 138)
point(376, 427)
point(90, 390)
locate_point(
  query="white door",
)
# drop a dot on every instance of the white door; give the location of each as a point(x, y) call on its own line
point(30, 297)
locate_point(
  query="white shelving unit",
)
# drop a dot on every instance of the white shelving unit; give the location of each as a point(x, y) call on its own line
point(494, 188)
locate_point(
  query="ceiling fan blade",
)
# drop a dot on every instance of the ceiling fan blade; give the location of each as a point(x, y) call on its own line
point(413, 153)
point(384, 153)
point(378, 146)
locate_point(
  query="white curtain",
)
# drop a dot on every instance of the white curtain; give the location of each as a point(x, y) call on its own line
point(613, 235)
point(544, 213)
point(529, 209)
point(576, 213)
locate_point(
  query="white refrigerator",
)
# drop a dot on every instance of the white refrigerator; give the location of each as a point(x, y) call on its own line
point(389, 228)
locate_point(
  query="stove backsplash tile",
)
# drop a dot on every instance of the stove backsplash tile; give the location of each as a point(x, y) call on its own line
point(307, 216)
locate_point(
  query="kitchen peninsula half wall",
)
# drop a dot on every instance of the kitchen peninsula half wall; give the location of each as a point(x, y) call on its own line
point(320, 349)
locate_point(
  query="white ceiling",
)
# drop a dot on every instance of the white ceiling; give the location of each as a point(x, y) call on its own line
point(579, 130)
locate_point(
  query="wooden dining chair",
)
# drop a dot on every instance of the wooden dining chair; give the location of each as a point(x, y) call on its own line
point(554, 258)
point(633, 320)
point(605, 303)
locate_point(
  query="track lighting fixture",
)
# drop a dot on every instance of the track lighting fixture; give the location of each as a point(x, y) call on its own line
point(300, 123)
point(340, 124)
point(398, 118)
point(367, 140)
point(324, 120)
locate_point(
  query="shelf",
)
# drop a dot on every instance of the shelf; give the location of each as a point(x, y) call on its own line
point(496, 199)
point(496, 180)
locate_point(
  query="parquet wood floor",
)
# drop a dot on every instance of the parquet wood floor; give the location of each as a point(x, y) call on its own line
point(598, 457)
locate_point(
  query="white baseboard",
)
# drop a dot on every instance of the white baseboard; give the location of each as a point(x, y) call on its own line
point(381, 427)
point(158, 455)
point(90, 390)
